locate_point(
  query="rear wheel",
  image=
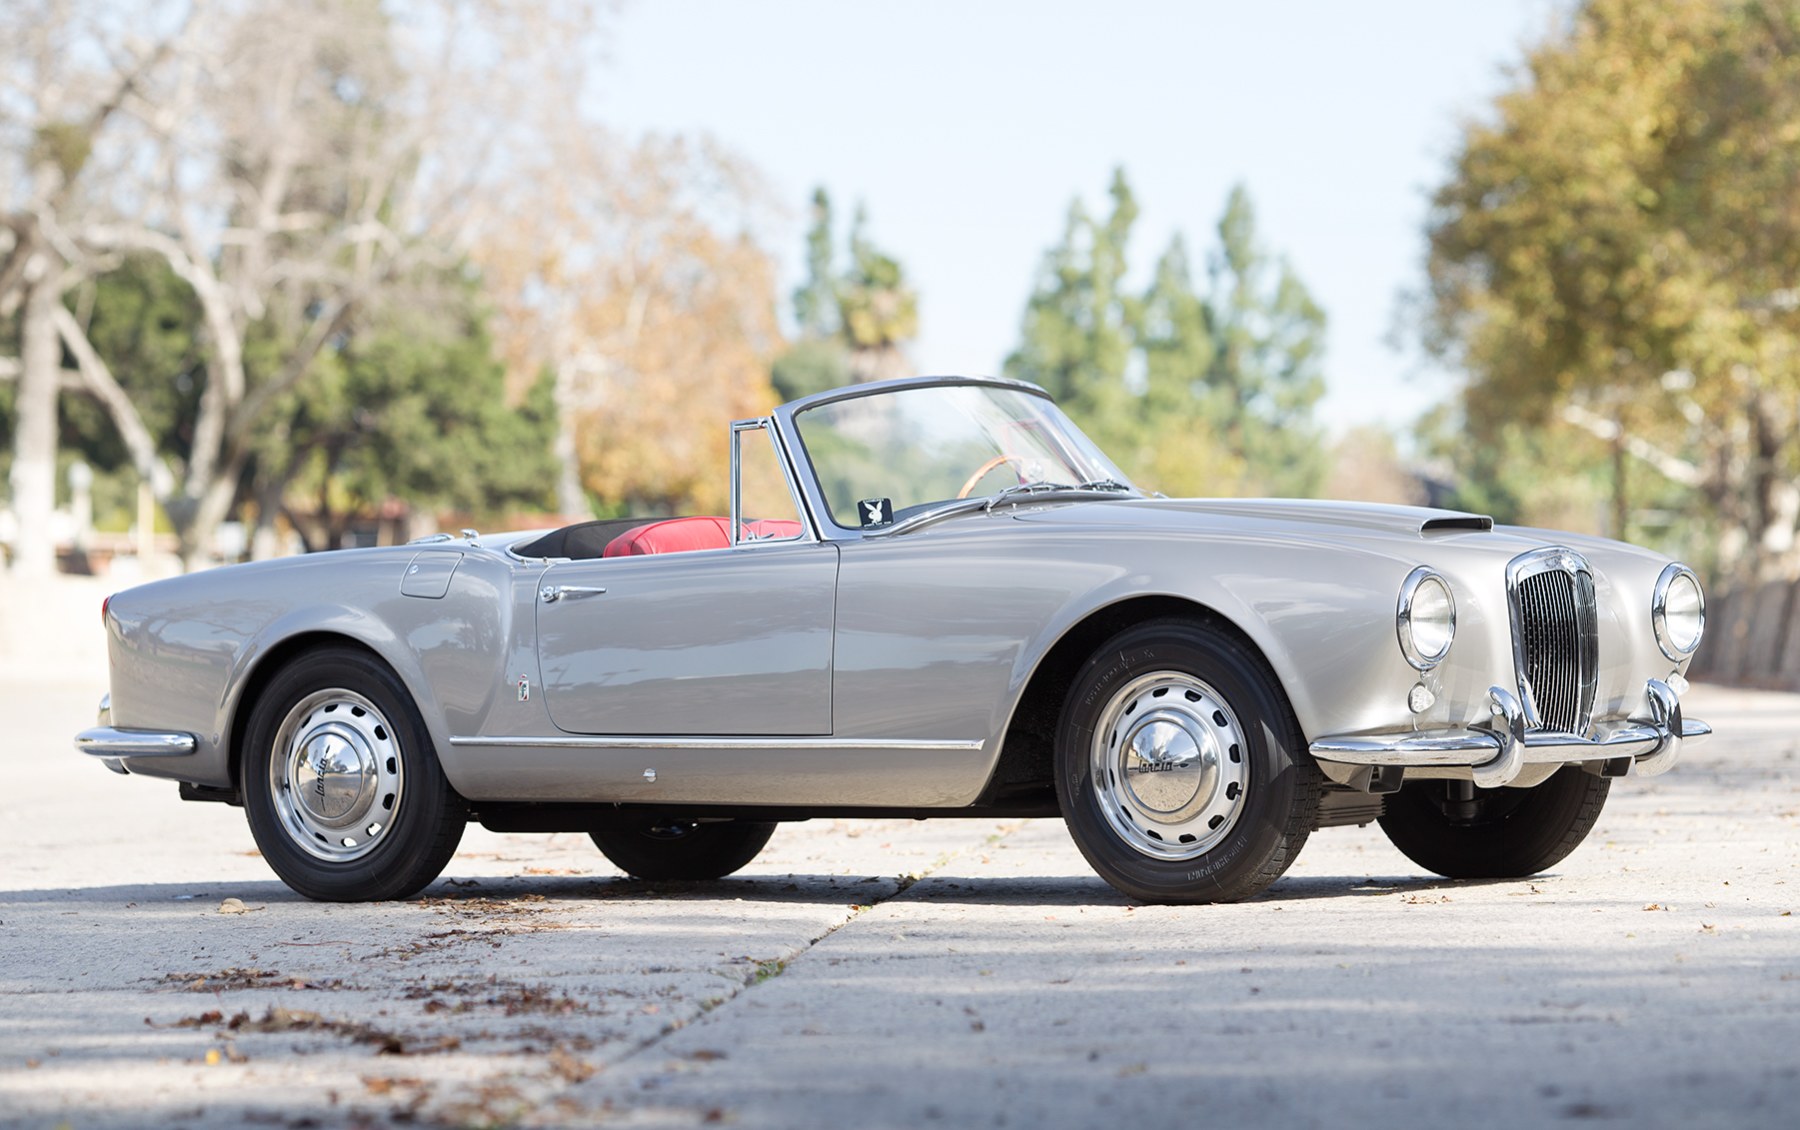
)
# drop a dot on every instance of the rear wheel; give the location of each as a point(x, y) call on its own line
point(341, 783)
point(663, 848)
point(1180, 769)
point(1500, 833)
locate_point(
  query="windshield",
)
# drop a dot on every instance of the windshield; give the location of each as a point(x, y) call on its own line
point(915, 447)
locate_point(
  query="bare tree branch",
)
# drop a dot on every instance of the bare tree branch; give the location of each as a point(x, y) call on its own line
point(68, 380)
point(328, 324)
point(1671, 467)
point(99, 380)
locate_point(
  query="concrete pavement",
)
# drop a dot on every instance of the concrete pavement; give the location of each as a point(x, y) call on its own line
point(893, 973)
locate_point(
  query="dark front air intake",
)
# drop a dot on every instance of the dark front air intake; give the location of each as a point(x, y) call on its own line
point(1555, 644)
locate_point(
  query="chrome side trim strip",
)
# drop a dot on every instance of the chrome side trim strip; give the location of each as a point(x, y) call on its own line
point(106, 741)
point(820, 744)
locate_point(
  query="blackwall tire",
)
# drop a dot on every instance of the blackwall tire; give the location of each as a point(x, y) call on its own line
point(1507, 834)
point(1180, 770)
point(341, 782)
point(664, 849)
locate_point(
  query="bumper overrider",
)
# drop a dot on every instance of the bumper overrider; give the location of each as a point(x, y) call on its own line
point(1497, 753)
point(113, 745)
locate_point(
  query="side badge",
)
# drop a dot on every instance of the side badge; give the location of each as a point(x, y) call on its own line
point(874, 512)
point(524, 689)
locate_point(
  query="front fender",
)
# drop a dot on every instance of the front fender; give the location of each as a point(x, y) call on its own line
point(1323, 620)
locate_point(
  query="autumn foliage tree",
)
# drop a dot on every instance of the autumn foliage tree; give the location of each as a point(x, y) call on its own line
point(632, 272)
point(1616, 255)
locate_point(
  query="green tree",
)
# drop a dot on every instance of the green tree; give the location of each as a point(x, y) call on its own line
point(880, 309)
point(1176, 336)
point(854, 324)
point(1265, 377)
point(1081, 323)
point(816, 301)
point(1193, 393)
point(410, 408)
point(1614, 256)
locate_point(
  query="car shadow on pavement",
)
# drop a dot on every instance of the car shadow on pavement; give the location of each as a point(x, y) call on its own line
point(1050, 891)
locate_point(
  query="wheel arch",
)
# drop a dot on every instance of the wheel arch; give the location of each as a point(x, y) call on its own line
point(270, 663)
point(1023, 769)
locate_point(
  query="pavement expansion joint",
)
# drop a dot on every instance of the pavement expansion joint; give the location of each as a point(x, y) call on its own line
point(772, 968)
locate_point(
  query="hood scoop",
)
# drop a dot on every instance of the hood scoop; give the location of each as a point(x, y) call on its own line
point(1479, 522)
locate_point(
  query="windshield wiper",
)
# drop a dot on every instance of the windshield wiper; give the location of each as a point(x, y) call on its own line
point(1019, 490)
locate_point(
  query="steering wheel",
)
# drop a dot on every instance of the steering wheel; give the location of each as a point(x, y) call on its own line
point(1018, 466)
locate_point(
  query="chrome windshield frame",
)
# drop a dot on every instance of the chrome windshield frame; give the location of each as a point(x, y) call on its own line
point(813, 498)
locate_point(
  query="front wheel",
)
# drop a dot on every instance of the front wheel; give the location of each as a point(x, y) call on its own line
point(1180, 769)
point(663, 849)
point(1499, 833)
point(341, 782)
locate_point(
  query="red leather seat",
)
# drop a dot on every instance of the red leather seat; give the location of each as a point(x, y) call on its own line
point(671, 535)
point(684, 535)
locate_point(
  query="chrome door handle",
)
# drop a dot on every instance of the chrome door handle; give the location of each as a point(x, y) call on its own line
point(553, 593)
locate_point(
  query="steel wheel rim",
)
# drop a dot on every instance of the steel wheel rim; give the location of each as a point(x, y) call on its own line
point(336, 775)
point(1170, 766)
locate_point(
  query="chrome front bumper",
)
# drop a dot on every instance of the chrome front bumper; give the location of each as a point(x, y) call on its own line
point(112, 745)
point(1496, 755)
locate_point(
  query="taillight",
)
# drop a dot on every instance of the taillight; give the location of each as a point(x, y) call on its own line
point(104, 605)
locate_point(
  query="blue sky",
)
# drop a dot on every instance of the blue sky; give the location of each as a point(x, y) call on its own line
point(966, 128)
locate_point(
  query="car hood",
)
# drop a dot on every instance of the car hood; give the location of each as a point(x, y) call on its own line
point(1360, 516)
point(1304, 517)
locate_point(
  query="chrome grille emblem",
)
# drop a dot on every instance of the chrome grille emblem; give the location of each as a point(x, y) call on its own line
point(1555, 638)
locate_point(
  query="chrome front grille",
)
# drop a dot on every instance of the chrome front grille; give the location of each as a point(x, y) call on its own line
point(1555, 642)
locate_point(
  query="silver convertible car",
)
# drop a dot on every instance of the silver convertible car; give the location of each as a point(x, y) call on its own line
point(931, 597)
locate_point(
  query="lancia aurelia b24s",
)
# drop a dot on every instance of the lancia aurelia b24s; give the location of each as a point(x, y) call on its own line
point(931, 597)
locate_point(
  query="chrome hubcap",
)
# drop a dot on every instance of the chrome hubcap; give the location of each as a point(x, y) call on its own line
point(1169, 765)
point(336, 776)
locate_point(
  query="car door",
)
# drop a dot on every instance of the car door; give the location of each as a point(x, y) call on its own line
point(710, 642)
point(701, 626)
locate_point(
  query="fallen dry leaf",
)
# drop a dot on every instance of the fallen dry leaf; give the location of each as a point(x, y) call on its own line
point(301, 1020)
point(237, 977)
point(570, 1068)
point(205, 1019)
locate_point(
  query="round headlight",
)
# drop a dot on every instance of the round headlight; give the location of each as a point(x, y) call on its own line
point(1678, 612)
point(1426, 618)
